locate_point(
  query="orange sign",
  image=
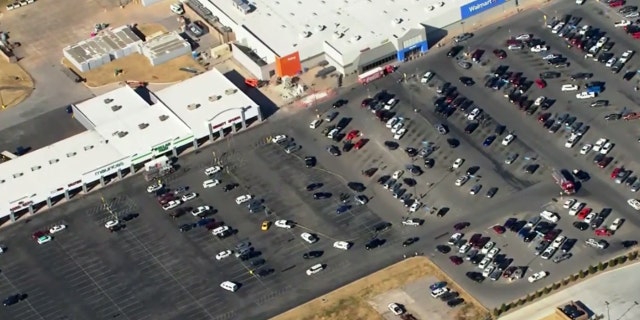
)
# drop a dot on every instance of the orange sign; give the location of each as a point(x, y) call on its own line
point(288, 65)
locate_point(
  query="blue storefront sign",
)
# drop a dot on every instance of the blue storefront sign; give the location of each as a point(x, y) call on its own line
point(479, 6)
point(424, 47)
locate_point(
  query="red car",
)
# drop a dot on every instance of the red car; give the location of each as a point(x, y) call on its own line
point(474, 239)
point(39, 234)
point(552, 234)
point(509, 271)
point(456, 260)
point(603, 232)
point(460, 225)
point(358, 145)
point(615, 172)
point(214, 224)
point(498, 229)
point(615, 4)
point(544, 117)
point(366, 102)
point(541, 83)
point(605, 162)
point(501, 54)
point(583, 213)
point(352, 135)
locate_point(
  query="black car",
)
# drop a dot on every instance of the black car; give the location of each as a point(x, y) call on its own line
point(13, 299)
point(582, 226)
point(339, 103)
point(455, 302)
point(550, 75)
point(629, 75)
point(310, 161)
point(128, 217)
point(314, 186)
point(499, 130)
point(321, 195)
point(568, 244)
point(415, 170)
point(347, 146)
point(581, 76)
point(333, 150)
point(185, 227)
point(531, 169)
point(409, 242)
point(471, 127)
point(429, 162)
point(391, 145)
point(229, 187)
point(449, 295)
point(257, 262)
point(443, 249)
point(467, 81)
point(613, 116)
point(492, 192)
point(411, 152)
point(454, 51)
point(312, 254)
point(475, 276)
point(382, 226)
point(373, 243)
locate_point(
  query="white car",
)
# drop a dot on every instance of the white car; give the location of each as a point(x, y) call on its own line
point(537, 276)
point(493, 253)
point(283, 224)
point(220, 230)
point(586, 148)
point(412, 222)
point(569, 203)
point(539, 100)
point(111, 223)
point(622, 23)
point(438, 292)
point(508, 139)
point(427, 77)
point(44, 239)
point(634, 203)
point(599, 143)
point(572, 141)
point(279, 138)
point(590, 217)
point(474, 114)
point(189, 196)
point(396, 309)
point(333, 133)
point(455, 238)
point(210, 183)
point(397, 174)
point(461, 181)
point(392, 122)
point(315, 123)
point(586, 95)
point(570, 87)
point(606, 148)
point(400, 134)
point(315, 269)
point(212, 170)
point(576, 207)
point(615, 225)
point(243, 198)
point(154, 187)
point(229, 285)
point(223, 254)
point(397, 126)
point(415, 206)
point(464, 248)
point(586, 28)
point(171, 204)
point(488, 246)
point(342, 245)
point(488, 270)
point(484, 263)
point(457, 163)
point(539, 48)
point(551, 216)
point(551, 56)
point(308, 237)
point(601, 42)
point(611, 62)
point(558, 241)
point(523, 37)
point(57, 228)
point(548, 252)
point(200, 210)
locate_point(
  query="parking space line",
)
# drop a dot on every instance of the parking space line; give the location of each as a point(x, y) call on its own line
point(26, 301)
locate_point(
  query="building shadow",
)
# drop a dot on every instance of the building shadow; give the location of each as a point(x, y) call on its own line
point(267, 107)
point(435, 35)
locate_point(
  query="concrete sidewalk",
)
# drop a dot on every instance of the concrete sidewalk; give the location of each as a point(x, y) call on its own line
point(613, 295)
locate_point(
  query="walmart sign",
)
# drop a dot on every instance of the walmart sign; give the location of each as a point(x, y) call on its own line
point(479, 6)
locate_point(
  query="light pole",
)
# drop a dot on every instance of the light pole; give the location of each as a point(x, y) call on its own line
point(608, 314)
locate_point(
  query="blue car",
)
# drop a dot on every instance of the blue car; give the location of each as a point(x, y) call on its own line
point(489, 140)
point(343, 208)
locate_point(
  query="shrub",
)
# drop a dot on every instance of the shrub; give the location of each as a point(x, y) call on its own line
point(566, 281)
point(508, 306)
point(497, 312)
point(593, 269)
point(547, 290)
point(613, 262)
point(574, 277)
point(522, 302)
point(622, 259)
point(632, 255)
point(539, 294)
point(556, 286)
point(601, 266)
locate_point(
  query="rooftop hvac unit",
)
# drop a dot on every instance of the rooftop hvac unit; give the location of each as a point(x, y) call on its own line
point(192, 106)
point(163, 117)
point(122, 134)
point(355, 38)
point(107, 100)
point(242, 6)
point(321, 27)
point(142, 126)
point(441, 3)
point(230, 91)
point(396, 21)
point(214, 98)
point(116, 108)
point(338, 35)
point(305, 34)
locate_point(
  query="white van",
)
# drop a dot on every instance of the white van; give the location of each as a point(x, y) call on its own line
point(228, 285)
point(333, 133)
point(390, 104)
point(177, 8)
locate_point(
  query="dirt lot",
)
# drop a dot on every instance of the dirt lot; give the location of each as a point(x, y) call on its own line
point(351, 301)
point(553, 317)
point(136, 67)
point(15, 84)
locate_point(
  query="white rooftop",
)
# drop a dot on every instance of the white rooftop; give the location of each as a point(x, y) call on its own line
point(98, 110)
point(282, 24)
point(136, 132)
point(199, 99)
point(47, 169)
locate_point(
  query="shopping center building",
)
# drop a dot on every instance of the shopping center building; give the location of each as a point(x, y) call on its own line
point(286, 37)
point(125, 128)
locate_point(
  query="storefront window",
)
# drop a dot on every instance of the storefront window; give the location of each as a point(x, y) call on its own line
point(378, 63)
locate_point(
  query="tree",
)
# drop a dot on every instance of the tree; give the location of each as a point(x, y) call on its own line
point(531, 297)
point(593, 269)
point(622, 259)
point(613, 262)
point(601, 266)
point(497, 312)
point(539, 293)
point(582, 274)
point(574, 277)
point(556, 285)
point(632, 255)
point(547, 290)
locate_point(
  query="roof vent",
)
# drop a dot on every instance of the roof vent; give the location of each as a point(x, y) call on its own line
point(338, 35)
point(36, 168)
point(396, 21)
point(192, 106)
point(2, 181)
point(122, 134)
point(71, 154)
point(430, 8)
point(54, 161)
point(116, 108)
point(356, 38)
point(230, 91)
point(87, 148)
point(305, 34)
point(214, 98)
point(163, 117)
point(18, 175)
point(441, 3)
point(242, 6)
point(142, 126)
point(321, 27)
point(107, 100)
